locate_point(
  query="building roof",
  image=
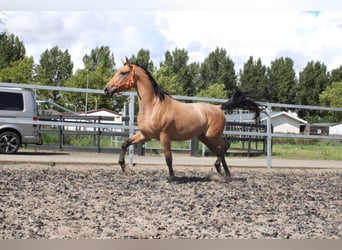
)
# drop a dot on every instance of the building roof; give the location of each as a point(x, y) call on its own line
point(248, 116)
point(323, 124)
point(287, 114)
point(102, 111)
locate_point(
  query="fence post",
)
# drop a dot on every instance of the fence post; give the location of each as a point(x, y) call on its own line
point(131, 126)
point(61, 133)
point(269, 135)
point(98, 130)
point(194, 146)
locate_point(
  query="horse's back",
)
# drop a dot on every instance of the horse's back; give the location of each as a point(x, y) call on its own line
point(182, 121)
point(215, 117)
point(212, 112)
point(204, 117)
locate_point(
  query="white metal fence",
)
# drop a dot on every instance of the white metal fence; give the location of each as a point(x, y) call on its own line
point(132, 128)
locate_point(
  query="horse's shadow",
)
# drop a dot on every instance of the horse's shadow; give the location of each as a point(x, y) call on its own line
point(202, 179)
point(40, 153)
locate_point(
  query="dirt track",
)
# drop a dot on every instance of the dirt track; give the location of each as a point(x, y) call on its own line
point(86, 202)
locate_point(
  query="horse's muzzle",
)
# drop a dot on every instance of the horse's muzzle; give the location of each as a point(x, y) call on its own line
point(110, 90)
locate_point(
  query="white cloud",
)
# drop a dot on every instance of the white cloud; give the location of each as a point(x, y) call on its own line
point(268, 34)
point(170, 5)
point(264, 34)
point(79, 32)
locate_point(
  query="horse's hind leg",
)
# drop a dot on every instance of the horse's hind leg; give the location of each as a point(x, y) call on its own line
point(223, 149)
point(217, 165)
point(166, 143)
point(223, 160)
point(214, 149)
point(136, 138)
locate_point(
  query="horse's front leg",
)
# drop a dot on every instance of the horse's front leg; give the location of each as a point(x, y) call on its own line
point(166, 143)
point(136, 138)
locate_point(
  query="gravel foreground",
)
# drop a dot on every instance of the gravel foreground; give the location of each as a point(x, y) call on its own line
point(101, 203)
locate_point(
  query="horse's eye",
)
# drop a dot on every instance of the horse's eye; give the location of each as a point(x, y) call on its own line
point(123, 73)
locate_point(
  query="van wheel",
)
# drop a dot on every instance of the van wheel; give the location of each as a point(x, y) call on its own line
point(9, 142)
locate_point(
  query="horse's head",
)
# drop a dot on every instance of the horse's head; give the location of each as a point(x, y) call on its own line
point(123, 80)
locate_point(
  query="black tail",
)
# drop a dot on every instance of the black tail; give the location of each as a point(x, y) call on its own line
point(240, 100)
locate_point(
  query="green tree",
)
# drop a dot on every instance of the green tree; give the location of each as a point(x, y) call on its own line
point(253, 79)
point(176, 63)
point(176, 60)
point(95, 79)
point(282, 81)
point(332, 97)
point(192, 79)
point(214, 91)
point(21, 71)
point(11, 49)
point(55, 68)
point(98, 70)
point(312, 81)
point(168, 81)
point(143, 59)
point(218, 67)
point(100, 57)
point(336, 75)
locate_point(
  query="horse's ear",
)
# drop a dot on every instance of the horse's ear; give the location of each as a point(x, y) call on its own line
point(127, 61)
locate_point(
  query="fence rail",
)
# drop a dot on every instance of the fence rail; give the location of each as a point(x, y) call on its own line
point(129, 127)
point(75, 125)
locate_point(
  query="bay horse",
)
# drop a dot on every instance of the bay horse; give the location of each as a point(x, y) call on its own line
point(165, 119)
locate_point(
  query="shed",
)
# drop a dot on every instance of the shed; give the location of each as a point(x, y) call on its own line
point(335, 129)
point(286, 122)
point(323, 129)
point(92, 116)
point(105, 112)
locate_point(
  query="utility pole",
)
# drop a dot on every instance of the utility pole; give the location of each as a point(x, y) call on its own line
point(86, 100)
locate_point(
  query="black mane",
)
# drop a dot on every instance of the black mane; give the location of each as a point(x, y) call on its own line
point(157, 89)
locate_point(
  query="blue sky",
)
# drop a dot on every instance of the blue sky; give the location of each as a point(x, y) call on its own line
point(266, 32)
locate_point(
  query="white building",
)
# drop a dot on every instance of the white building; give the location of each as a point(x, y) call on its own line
point(115, 119)
point(286, 122)
point(335, 129)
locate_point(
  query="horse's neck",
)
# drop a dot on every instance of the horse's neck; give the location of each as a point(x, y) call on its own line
point(147, 99)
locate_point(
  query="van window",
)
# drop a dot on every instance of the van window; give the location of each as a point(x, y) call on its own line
point(11, 101)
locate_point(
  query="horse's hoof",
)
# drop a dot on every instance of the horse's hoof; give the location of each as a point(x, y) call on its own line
point(216, 177)
point(171, 178)
point(228, 178)
point(126, 170)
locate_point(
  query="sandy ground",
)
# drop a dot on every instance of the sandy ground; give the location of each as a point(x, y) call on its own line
point(49, 201)
point(60, 158)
